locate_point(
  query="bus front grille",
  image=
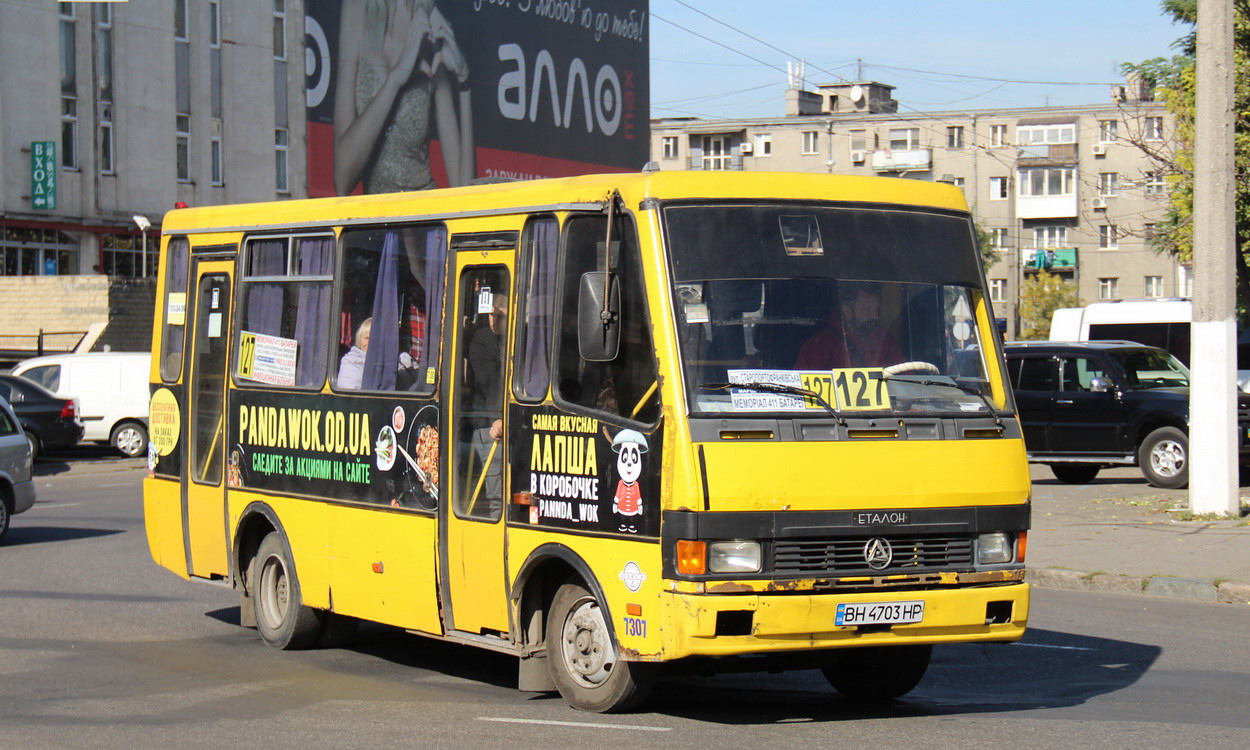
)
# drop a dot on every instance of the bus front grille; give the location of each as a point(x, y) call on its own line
point(823, 557)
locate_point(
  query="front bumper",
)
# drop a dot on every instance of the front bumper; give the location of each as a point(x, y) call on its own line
point(23, 496)
point(790, 622)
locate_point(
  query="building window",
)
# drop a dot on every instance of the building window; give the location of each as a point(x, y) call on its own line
point(1154, 286)
point(106, 138)
point(1108, 236)
point(902, 139)
point(811, 142)
point(37, 252)
point(1185, 281)
point(122, 255)
point(998, 290)
point(182, 148)
point(998, 188)
point(279, 29)
point(1154, 184)
point(69, 132)
point(180, 20)
point(998, 136)
point(1108, 288)
point(716, 152)
point(763, 144)
point(1154, 129)
point(1108, 183)
point(214, 146)
point(859, 140)
point(1046, 134)
point(1047, 181)
point(998, 237)
point(1148, 230)
point(280, 164)
point(214, 23)
point(955, 136)
point(1107, 131)
point(668, 145)
point(1050, 235)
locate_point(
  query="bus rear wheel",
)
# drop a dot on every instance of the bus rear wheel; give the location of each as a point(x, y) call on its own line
point(583, 659)
point(877, 673)
point(281, 617)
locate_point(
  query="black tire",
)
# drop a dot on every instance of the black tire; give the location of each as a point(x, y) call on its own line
point(36, 446)
point(583, 658)
point(1164, 458)
point(6, 518)
point(281, 617)
point(877, 673)
point(1075, 473)
point(130, 439)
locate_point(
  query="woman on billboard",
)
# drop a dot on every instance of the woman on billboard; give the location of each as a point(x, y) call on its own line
point(399, 68)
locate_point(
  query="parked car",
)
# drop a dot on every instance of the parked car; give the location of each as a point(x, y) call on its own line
point(1087, 405)
point(17, 491)
point(48, 421)
point(111, 389)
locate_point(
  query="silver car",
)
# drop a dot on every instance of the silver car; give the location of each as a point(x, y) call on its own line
point(17, 491)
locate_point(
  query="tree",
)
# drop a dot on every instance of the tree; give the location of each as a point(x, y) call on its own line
point(1174, 83)
point(990, 253)
point(1040, 296)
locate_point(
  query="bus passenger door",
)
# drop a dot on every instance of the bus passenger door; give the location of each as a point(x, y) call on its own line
point(473, 568)
point(203, 485)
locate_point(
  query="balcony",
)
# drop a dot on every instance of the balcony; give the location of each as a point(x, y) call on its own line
point(1047, 155)
point(907, 160)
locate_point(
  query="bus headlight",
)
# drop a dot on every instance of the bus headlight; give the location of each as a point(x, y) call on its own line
point(994, 548)
point(733, 557)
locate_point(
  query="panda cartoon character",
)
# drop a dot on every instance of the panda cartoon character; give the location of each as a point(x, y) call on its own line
point(629, 446)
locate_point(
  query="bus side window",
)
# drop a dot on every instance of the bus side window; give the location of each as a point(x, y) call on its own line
point(174, 328)
point(390, 313)
point(536, 309)
point(285, 293)
point(628, 386)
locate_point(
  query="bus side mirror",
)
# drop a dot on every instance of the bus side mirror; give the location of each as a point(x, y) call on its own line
point(598, 333)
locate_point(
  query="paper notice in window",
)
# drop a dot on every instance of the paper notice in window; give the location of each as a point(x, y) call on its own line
point(176, 309)
point(745, 399)
point(267, 359)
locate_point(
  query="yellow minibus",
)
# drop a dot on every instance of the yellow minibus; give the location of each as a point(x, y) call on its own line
point(612, 425)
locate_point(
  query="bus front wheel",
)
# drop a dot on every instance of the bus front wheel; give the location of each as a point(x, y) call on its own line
point(877, 673)
point(583, 659)
point(281, 617)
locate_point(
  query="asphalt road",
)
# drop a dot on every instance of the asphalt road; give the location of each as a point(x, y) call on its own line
point(100, 648)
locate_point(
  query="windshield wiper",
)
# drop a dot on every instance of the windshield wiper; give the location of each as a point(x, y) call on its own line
point(998, 420)
point(791, 390)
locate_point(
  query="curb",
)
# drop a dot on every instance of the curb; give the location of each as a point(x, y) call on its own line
point(1191, 589)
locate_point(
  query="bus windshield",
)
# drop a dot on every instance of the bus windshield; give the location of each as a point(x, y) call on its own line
point(871, 309)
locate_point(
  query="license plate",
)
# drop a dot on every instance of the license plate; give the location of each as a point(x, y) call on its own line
point(880, 613)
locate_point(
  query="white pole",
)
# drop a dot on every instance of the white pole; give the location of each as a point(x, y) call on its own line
point(1213, 392)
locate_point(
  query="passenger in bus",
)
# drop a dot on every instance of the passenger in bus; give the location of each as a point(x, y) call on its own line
point(352, 365)
point(486, 398)
point(854, 335)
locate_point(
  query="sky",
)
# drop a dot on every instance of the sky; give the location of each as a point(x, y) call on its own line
point(1057, 42)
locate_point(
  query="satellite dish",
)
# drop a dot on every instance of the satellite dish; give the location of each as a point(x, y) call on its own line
point(857, 93)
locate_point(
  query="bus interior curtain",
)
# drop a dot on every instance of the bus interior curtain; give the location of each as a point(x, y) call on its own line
point(382, 356)
point(541, 296)
point(435, 262)
point(264, 300)
point(316, 259)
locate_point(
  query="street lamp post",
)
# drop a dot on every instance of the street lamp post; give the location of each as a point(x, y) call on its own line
point(144, 225)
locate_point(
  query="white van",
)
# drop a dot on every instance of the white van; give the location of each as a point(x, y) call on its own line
point(1156, 322)
point(112, 393)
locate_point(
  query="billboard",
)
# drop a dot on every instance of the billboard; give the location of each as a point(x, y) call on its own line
point(415, 94)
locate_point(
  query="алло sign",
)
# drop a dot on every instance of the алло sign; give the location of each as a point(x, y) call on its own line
point(43, 175)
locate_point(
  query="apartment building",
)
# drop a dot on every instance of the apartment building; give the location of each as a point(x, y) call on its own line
point(1062, 188)
point(112, 114)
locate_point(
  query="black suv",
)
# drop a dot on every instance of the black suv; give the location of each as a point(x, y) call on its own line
point(1084, 406)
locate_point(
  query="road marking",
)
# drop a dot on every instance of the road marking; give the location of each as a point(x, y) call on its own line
point(56, 505)
point(577, 724)
point(1047, 645)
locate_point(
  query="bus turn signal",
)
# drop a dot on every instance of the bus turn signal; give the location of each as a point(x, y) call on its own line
point(691, 557)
